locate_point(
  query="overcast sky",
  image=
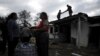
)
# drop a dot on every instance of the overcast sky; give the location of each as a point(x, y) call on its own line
point(91, 7)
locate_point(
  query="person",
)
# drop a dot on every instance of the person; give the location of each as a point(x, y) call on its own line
point(59, 14)
point(69, 10)
point(24, 47)
point(25, 34)
point(13, 33)
point(42, 37)
point(4, 35)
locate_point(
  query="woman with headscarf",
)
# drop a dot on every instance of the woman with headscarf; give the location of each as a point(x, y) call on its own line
point(42, 37)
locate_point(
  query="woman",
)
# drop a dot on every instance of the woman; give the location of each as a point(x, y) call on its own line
point(42, 37)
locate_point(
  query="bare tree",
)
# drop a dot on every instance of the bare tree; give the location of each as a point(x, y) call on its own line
point(24, 16)
point(36, 18)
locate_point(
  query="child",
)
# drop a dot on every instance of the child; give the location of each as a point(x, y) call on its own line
point(24, 48)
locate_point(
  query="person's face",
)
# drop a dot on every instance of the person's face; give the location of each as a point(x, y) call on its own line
point(59, 10)
point(67, 5)
point(15, 17)
point(42, 16)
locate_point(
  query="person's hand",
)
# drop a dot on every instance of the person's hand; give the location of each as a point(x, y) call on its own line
point(35, 29)
point(32, 27)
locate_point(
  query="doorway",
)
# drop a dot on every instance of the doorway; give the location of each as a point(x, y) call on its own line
point(94, 36)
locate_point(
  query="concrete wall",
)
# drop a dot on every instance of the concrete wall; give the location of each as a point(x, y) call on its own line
point(82, 37)
point(74, 30)
point(84, 34)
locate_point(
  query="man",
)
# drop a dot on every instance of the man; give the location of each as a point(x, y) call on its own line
point(59, 14)
point(13, 33)
point(69, 10)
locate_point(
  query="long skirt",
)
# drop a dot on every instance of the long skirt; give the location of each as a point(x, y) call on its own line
point(42, 41)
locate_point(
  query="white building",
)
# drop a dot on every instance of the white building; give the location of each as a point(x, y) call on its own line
point(77, 30)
